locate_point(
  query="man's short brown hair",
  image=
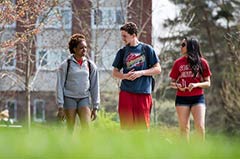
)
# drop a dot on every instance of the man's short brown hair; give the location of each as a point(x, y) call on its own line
point(130, 28)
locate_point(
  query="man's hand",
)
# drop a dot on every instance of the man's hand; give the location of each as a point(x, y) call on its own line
point(128, 75)
point(61, 114)
point(132, 75)
point(136, 74)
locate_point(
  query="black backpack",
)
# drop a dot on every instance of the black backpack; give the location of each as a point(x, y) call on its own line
point(144, 46)
point(68, 66)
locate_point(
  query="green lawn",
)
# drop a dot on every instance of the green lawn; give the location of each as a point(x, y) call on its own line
point(101, 143)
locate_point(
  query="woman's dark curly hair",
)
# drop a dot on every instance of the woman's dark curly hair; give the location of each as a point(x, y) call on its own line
point(130, 28)
point(75, 39)
point(194, 56)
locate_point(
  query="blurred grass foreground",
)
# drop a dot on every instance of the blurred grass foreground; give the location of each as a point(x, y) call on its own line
point(106, 140)
point(54, 143)
point(111, 142)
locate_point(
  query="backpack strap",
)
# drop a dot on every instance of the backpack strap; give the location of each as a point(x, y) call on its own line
point(144, 46)
point(90, 69)
point(68, 66)
point(123, 54)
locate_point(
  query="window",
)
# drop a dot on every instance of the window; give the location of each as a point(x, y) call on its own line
point(39, 110)
point(50, 59)
point(8, 60)
point(119, 17)
point(7, 55)
point(58, 17)
point(107, 17)
point(7, 35)
point(42, 55)
point(11, 105)
point(97, 16)
point(67, 18)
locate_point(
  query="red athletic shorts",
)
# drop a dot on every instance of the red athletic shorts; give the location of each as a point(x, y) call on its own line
point(134, 110)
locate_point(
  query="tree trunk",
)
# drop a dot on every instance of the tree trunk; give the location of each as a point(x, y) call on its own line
point(210, 39)
point(27, 89)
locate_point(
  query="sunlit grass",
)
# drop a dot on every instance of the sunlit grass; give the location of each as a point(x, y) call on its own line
point(105, 139)
point(55, 142)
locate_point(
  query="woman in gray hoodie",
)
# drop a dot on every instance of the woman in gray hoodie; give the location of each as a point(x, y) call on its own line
point(77, 84)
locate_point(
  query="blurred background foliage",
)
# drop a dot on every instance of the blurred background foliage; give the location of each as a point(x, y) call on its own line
point(216, 25)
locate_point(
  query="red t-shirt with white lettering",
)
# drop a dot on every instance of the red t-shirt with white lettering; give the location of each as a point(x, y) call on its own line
point(182, 73)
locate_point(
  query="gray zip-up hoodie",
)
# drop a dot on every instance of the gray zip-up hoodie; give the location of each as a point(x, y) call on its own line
point(78, 84)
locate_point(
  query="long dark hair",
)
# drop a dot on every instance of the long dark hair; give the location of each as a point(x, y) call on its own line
point(194, 56)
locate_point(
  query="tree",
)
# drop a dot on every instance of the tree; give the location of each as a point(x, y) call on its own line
point(29, 18)
point(230, 86)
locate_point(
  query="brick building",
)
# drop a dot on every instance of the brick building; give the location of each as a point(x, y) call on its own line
point(99, 20)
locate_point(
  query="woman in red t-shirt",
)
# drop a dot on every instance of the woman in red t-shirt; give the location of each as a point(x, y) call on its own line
point(190, 74)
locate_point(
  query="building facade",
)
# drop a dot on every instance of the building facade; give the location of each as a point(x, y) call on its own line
point(99, 20)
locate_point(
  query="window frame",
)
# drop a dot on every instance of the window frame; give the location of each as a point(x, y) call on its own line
point(4, 58)
point(57, 24)
point(13, 101)
point(107, 23)
point(50, 53)
point(35, 119)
